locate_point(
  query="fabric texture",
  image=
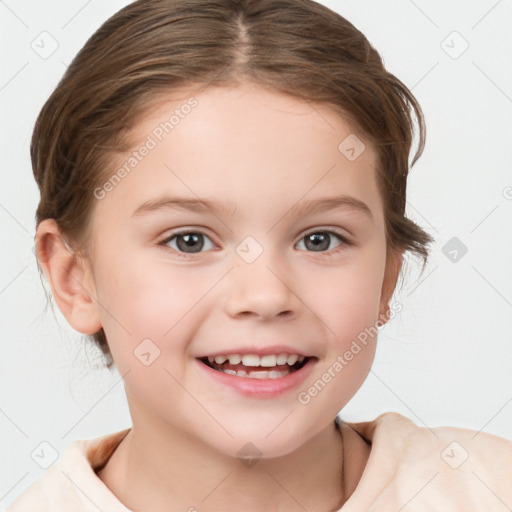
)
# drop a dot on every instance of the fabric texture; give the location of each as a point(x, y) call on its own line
point(410, 468)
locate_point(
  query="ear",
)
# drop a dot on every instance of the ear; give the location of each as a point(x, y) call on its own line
point(394, 260)
point(70, 278)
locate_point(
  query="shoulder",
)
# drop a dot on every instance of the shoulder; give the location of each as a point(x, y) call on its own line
point(445, 465)
point(71, 482)
point(402, 432)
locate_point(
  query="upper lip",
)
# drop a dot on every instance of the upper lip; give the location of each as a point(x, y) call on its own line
point(258, 350)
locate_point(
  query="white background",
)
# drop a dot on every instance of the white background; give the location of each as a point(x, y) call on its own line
point(445, 360)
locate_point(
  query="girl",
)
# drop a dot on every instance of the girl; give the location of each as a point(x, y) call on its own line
point(223, 190)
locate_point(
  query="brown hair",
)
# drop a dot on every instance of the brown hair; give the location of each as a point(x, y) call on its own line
point(152, 47)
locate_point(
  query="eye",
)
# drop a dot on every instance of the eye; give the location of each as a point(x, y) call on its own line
point(320, 240)
point(187, 242)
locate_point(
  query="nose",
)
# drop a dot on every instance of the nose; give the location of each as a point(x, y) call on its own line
point(261, 289)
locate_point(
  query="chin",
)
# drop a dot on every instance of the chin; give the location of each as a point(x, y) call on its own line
point(259, 442)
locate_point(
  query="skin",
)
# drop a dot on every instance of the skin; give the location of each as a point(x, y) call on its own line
point(266, 152)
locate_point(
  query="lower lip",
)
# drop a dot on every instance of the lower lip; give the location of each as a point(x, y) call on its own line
point(263, 388)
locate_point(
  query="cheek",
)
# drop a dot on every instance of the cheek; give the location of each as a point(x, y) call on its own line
point(348, 305)
point(154, 301)
point(348, 309)
point(347, 298)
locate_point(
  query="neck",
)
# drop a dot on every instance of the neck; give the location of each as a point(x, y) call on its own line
point(151, 471)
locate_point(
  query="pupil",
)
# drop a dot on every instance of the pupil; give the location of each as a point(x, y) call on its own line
point(318, 239)
point(190, 240)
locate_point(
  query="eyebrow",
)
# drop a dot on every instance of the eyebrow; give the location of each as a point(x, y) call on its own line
point(332, 203)
point(230, 209)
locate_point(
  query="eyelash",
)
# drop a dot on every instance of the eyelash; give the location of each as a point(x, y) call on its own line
point(345, 241)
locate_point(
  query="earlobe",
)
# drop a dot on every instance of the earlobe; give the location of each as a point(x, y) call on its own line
point(69, 277)
point(393, 265)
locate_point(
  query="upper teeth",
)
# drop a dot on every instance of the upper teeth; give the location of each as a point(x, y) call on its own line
point(255, 360)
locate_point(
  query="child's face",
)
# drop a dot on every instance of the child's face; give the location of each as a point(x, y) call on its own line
point(266, 154)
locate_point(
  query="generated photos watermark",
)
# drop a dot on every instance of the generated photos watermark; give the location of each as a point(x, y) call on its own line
point(342, 360)
point(151, 142)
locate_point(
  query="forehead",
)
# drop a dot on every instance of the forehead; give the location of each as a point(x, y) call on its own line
point(241, 106)
point(246, 144)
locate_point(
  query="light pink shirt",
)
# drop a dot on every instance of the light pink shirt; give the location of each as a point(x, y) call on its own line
point(410, 468)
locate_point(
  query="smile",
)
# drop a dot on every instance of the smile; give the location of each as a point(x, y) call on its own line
point(252, 366)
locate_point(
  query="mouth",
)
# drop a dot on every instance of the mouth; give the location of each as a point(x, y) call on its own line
point(253, 366)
